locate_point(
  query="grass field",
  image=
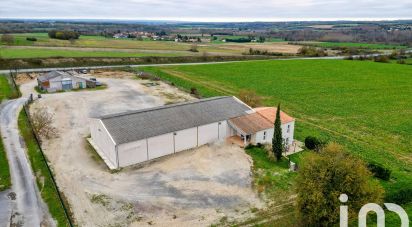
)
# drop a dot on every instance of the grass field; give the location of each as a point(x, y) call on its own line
point(43, 178)
point(45, 53)
point(208, 48)
point(357, 45)
point(365, 106)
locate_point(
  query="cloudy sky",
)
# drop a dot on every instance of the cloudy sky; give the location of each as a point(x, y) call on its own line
point(208, 10)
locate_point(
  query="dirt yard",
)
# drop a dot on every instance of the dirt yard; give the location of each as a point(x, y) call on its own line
point(193, 188)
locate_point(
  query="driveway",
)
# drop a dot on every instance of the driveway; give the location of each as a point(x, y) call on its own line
point(27, 207)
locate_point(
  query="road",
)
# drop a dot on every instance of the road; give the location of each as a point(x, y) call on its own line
point(27, 208)
point(171, 64)
point(194, 63)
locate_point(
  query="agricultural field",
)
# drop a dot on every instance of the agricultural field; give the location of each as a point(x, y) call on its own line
point(354, 45)
point(365, 106)
point(29, 52)
point(98, 46)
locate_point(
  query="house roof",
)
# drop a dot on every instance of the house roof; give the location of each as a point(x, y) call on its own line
point(58, 75)
point(51, 75)
point(251, 123)
point(136, 125)
point(270, 114)
point(263, 118)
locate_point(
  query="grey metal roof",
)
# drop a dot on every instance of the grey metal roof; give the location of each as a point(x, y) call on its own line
point(59, 75)
point(136, 125)
point(50, 75)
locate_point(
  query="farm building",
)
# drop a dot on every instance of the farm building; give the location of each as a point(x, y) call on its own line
point(137, 136)
point(57, 80)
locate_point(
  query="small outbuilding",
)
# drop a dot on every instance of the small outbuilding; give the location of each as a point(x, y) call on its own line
point(58, 80)
point(138, 136)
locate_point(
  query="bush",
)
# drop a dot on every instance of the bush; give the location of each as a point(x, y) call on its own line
point(33, 39)
point(193, 48)
point(310, 51)
point(401, 61)
point(402, 196)
point(250, 98)
point(313, 143)
point(381, 58)
point(379, 171)
point(239, 40)
point(194, 91)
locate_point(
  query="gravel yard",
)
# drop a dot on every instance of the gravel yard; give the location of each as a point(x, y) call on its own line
point(195, 187)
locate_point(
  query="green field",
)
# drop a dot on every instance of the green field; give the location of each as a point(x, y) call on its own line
point(356, 45)
point(365, 106)
point(45, 53)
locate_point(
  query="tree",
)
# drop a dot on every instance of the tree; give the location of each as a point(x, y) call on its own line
point(250, 98)
point(324, 176)
point(277, 141)
point(43, 123)
point(193, 48)
point(7, 39)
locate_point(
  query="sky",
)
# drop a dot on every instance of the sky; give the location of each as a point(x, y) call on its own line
point(208, 10)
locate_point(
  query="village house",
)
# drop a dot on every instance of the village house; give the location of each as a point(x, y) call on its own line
point(138, 136)
point(58, 80)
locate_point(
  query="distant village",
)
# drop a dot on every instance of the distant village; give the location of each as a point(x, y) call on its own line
point(159, 36)
point(188, 38)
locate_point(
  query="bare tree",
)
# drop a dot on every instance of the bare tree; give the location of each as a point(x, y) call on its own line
point(250, 97)
point(193, 48)
point(43, 123)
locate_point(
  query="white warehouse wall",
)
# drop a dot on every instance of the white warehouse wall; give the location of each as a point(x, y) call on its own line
point(185, 139)
point(224, 130)
point(160, 145)
point(104, 142)
point(208, 133)
point(132, 153)
point(154, 147)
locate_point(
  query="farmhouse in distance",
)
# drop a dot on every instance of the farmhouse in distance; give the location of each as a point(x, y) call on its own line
point(138, 136)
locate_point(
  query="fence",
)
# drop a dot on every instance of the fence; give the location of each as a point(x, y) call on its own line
point(36, 137)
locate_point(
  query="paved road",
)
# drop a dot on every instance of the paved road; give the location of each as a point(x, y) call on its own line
point(195, 63)
point(27, 208)
point(171, 64)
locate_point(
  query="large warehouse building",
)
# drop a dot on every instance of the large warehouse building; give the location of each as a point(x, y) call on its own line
point(137, 136)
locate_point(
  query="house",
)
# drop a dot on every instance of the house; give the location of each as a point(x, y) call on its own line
point(58, 80)
point(138, 136)
point(258, 127)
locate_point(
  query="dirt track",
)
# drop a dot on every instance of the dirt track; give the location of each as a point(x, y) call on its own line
point(192, 188)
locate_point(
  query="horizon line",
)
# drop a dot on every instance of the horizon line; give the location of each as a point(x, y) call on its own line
point(218, 20)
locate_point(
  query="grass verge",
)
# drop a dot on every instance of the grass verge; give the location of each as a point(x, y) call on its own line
point(43, 177)
point(5, 181)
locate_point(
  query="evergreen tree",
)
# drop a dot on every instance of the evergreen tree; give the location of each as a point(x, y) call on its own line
point(277, 141)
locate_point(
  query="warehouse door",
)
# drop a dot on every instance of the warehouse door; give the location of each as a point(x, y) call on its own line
point(67, 84)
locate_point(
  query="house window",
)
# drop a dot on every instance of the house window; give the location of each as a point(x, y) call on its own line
point(287, 141)
point(288, 128)
point(264, 135)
